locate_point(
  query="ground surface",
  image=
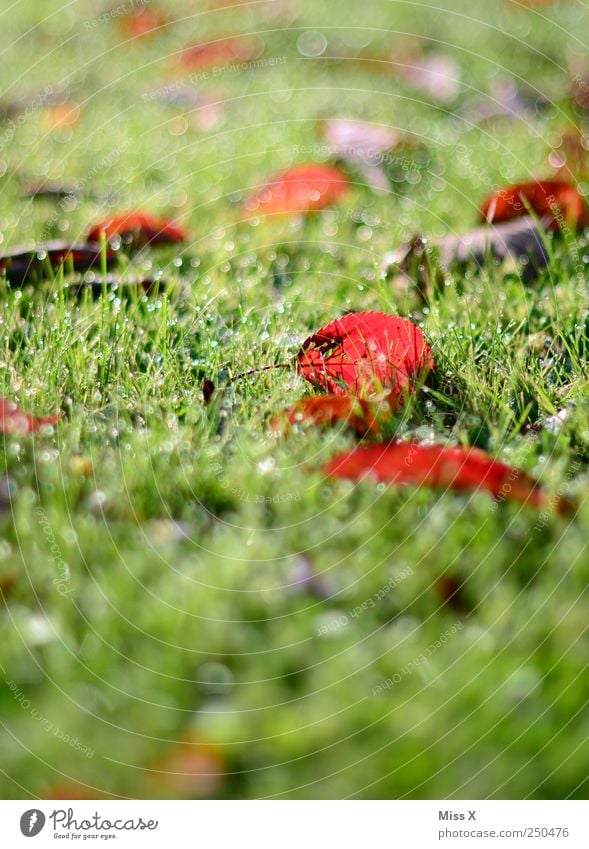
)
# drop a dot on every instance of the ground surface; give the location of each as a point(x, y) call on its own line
point(184, 593)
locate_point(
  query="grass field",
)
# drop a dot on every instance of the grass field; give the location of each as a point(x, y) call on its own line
point(190, 608)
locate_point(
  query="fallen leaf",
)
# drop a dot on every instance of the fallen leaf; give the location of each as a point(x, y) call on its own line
point(304, 188)
point(427, 263)
point(357, 413)
point(25, 264)
point(14, 420)
point(366, 352)
point(141, 23)
point(220, 53)
point(555, 198)
point(412, 464)
point(139, 228)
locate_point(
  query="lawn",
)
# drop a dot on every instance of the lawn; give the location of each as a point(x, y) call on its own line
point(190, 608)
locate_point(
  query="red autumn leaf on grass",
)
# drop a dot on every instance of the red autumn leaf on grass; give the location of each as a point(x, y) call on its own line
point(304, 188)
point(556, 198)
point(220, 53)
point(141, 227)
point(141, 23)
point(365, 352)
point(357, 413)
point(14, 420)
point(411, 464)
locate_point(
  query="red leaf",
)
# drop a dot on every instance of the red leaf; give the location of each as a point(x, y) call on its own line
point(14, 420)
point(365, 352)
point(225, 51)
point(141, 23)
point(356, 413)
point(558, 199)
point(141, 227)
point(408, 463)
point(304, 188)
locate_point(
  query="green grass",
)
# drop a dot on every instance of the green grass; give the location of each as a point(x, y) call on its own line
point(151, 547)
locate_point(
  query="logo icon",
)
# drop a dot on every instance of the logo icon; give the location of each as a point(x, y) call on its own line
point(32, 822)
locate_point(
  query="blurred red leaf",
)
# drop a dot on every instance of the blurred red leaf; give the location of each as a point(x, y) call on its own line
point(357, 413)
point(142, 227)
point(142, 22)
point(304, 188)
point(220, 53)
point(364, 352)
point(555, 198)
point(14, 420)
point(191, 769)
point(408, 463)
